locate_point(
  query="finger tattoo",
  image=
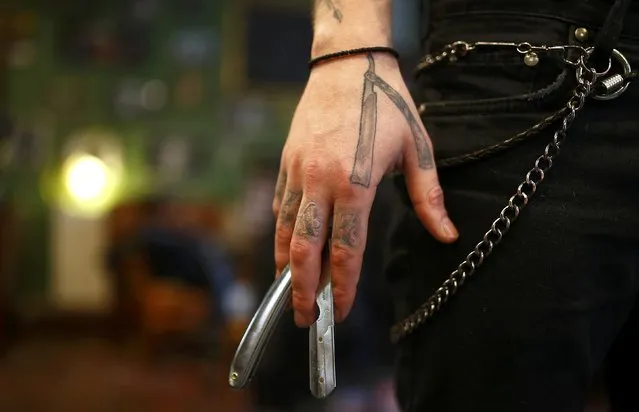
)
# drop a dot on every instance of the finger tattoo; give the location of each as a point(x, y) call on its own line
point(288, 211)
point(309, 224)
point(346, 228)
point(281, 186)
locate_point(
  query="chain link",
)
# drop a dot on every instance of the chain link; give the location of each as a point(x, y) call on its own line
point(516, 203)
point(449, 53)
point(571, 55)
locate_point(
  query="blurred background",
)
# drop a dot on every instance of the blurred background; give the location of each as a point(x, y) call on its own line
point(139, 147)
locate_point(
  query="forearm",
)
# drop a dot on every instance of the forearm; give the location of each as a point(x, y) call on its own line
point(347, 24)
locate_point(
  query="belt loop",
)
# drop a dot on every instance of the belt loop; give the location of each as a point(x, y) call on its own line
point(608, 36)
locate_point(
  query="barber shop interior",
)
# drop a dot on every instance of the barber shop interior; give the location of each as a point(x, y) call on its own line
point(141, 155)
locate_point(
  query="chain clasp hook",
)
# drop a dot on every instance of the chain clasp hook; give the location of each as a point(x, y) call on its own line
point(613, 85)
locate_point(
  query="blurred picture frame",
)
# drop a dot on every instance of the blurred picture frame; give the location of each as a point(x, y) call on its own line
point(265, 46)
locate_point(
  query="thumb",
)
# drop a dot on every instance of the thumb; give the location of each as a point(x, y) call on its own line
point(427, 197)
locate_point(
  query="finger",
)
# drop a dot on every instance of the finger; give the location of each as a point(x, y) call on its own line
point(280, 189)
point(307, 243)
point(348, 242)
point(427, 194)
point(286, 223)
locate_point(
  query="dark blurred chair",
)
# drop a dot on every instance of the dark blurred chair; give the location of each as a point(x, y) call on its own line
point(185, 268)
point(171, 278)
point(8, 252)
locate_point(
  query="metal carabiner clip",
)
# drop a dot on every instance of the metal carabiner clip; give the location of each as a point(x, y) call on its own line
point(615, 84)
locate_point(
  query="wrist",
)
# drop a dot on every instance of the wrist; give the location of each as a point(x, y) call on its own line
point(327, 39)
point(346, 65)
point(364, 51)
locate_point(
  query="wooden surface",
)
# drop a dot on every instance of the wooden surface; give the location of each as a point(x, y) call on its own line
point(92, 375)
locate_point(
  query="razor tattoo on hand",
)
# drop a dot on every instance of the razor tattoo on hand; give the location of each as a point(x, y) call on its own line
point(424, 155)
point(337, 13)
point(309, 225)
point(363, 165)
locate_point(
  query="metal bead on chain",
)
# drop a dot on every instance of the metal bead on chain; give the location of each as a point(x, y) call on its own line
point(531, 59)
point(502, 224)
point(449, 53)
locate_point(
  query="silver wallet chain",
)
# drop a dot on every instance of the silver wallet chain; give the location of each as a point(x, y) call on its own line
point(590, 83)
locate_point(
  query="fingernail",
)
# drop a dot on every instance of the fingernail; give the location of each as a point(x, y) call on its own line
point(449, 229)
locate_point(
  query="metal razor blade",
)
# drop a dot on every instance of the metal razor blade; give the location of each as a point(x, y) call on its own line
point(322, 376)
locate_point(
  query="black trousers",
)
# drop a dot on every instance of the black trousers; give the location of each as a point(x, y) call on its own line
point(558, 298)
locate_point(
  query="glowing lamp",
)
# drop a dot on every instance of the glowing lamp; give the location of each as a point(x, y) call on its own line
point(90, 184)
point(86, 178)
point(90, 180)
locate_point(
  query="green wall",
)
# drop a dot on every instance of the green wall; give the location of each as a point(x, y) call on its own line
point(55, 98)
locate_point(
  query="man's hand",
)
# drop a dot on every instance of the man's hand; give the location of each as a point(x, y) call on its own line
point(354, 123)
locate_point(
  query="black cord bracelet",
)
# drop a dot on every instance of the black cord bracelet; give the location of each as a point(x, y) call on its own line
point(351, 52)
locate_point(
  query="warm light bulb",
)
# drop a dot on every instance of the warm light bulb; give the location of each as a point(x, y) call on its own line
point(86, 178)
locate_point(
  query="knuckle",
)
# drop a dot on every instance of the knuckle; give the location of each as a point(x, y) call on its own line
point(343, 174)
point(300, 251)
point(343, 297)
point(342, 256)
point(281, 257)
point(275, 207)
point(283, 234)
point(295, 161)
point(302, 302)
point(435, 196)
point(345, 189)
point(313, 171)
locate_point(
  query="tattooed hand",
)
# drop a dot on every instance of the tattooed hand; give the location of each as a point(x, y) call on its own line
point(354, 123)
